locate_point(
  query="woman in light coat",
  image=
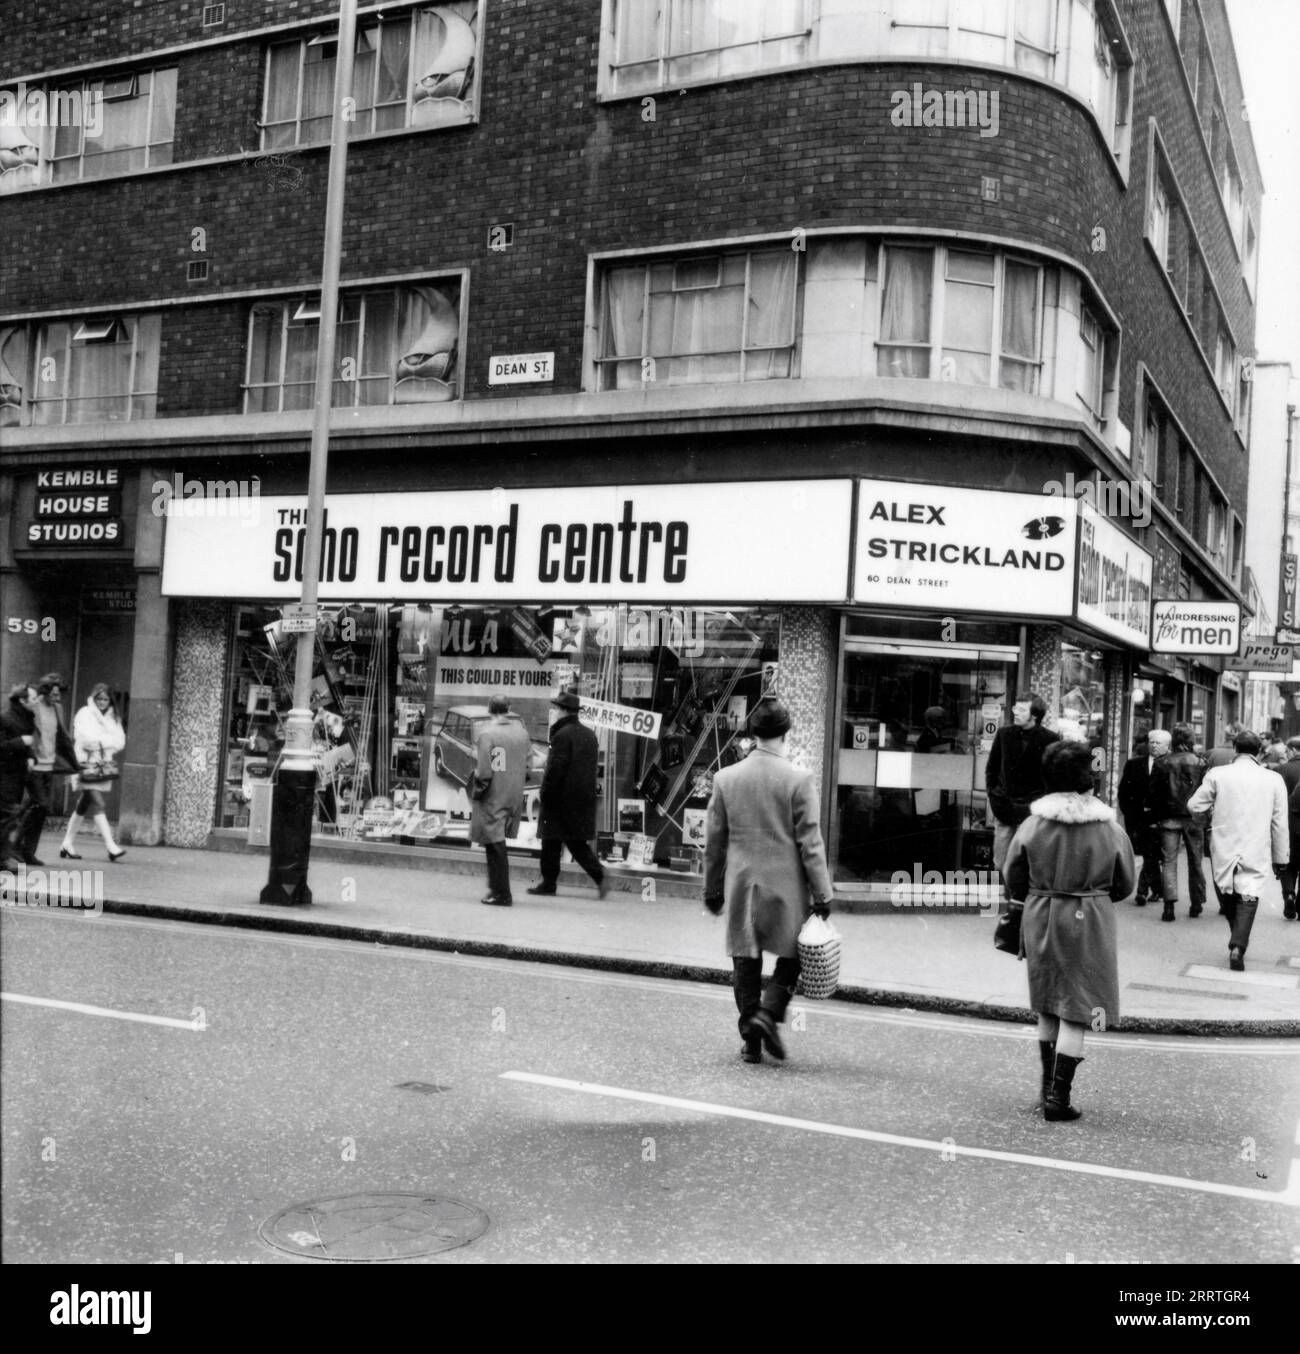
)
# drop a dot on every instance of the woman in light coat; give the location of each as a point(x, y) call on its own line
point(1069, 863)
point(97, 733)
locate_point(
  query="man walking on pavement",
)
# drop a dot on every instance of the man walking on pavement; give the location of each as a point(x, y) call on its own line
point(1013, 775)
point(568, 796)
point(501, 754)
point(763, 856)
point(1290, 773)
point(55, 755)
point(1175, 777)
point(1134, 782)
point(1226, 752)
point(1249, 831)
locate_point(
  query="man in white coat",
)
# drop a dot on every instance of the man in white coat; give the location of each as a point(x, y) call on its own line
point(763, 856)
point(1249, 832)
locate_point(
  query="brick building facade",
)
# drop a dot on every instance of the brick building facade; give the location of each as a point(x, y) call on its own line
point(783, 243)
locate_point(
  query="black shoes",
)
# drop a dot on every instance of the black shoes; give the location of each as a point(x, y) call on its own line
point(115, 856)
point(1195, 910)
point(1056, 1105)
point(1047, 1056)
point(31, 860)
point(1168, 913)
point(65, 854)
point(752, 1049)
point(762, 1024)
point(542, 890)
point(498, 899)
point(1140, 900)
point(1236, 961)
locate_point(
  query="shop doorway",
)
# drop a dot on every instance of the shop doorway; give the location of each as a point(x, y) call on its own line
point(916, 728)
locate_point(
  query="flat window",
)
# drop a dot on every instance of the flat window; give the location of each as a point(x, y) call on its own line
point(987, 307)
point(96, 370)
point(415, 69)
point(95, 128)
point(393, 346)
point(701, 319)
point(1092, 366)
point(665, 42)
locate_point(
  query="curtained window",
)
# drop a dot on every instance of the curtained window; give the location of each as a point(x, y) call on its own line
point(904, 348)
point(415, 69)
point(392, 346)
point(94, 371)
point(717, 317)
point(667, 42)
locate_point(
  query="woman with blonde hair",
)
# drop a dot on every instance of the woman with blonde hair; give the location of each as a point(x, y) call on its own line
point(98, 736)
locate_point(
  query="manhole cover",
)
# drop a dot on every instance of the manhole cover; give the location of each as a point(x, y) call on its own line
point(374, 1227)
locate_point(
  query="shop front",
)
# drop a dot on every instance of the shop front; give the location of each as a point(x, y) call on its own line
point(664, 607)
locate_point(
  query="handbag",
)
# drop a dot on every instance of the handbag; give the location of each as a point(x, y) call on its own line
point(479, 787)
point(1006, 934)
point(99, 769)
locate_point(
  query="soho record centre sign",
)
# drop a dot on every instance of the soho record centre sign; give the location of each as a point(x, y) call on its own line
point(765, 541)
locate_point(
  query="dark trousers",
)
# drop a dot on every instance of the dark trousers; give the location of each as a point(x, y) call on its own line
point(581, 852)
point(11, 828)
point(40, 800)
point(1146, 842)
point(747, 985)
point(1291, 875)
point(498, 869)
point(1176, 832)
point(1240, 912)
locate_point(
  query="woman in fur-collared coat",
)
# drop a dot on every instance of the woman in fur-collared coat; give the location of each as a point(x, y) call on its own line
point(1069, 863)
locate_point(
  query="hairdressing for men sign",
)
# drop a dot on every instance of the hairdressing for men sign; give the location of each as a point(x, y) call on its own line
point(1195, 627)
point(774, 541)
point(1114, 581)
point(923, 545)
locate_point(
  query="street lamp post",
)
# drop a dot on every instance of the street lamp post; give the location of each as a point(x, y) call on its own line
point(295, 785)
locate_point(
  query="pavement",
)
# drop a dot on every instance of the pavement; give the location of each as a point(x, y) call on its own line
point(1174, 978)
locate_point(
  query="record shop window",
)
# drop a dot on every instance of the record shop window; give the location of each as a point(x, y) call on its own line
point(719, 317)
point(394, 345)
point(414, 69)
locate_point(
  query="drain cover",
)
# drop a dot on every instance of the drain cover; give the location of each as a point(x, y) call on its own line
point(423, 1087)
point(374, 1227)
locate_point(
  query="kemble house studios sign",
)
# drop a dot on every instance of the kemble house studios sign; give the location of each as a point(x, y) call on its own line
point(921, 545)
point(1196, 627)
point(772, 540)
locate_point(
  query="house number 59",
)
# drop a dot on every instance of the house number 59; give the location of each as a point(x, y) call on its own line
point(46, 627)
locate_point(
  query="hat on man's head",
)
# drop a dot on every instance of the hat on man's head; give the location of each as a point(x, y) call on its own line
point(769, 719)
point(568, 700)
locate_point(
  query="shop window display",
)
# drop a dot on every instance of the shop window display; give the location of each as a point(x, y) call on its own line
point(400, 693)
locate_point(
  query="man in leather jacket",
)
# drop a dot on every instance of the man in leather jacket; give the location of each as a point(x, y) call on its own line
point(1013, 774)
point(17, 751)
point(1174, 779)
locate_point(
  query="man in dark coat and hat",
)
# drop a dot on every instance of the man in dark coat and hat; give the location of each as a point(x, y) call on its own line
point(568, 797)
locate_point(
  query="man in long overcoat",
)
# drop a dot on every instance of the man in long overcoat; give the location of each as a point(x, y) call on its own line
point(1247, 835)
point(763, 856)
point(17, 752)
point(568, 796)
point(501, 754)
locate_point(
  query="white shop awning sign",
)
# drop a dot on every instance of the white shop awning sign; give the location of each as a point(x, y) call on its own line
point(763, 541)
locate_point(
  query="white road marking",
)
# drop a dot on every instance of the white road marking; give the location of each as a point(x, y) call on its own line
point(976, 1025)
point(1290, 1196)
point(1252, 976)
point(102, 1011)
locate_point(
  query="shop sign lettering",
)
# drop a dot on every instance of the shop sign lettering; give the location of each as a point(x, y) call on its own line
point(1114, 580)
point(634, 543)
point(1196, 627)
point(77, 506)
point(600, 715)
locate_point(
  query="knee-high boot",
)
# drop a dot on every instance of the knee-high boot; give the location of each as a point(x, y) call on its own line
point(69, 844)
point(1056, 1104)
point(1047, 1056)
point(101, 822)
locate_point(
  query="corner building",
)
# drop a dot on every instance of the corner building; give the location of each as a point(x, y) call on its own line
point(891, 356)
